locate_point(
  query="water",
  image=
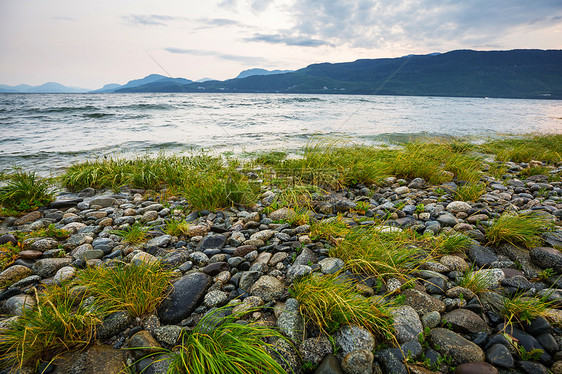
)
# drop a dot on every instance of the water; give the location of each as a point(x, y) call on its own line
point(45, 132)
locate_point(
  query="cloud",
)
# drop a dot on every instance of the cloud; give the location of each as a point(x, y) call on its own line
point(216, 22)
point(62, 18)
point(148, 20)
point(287, 40)
point(380, 23)
point(248, 60)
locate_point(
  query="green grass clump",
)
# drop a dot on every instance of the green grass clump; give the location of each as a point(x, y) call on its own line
point(24, 191)
point(62, 320)
point(219, 189)
point(452, 243)
point(50, 231)
point(330, 301)
point(176, 227)
point(136, 288)
point(133, 234)
point(543, 147)
point(523, 308)
point(140, 172)
point(370, 251)
point(218, 344)
point(476, 281)
point(329, 229)
point(519, 229)
point(470, 191)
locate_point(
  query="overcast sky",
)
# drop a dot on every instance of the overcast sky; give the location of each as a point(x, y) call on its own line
point(91, 43)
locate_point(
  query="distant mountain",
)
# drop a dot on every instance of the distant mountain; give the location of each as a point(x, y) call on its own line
point(107, 88)
point(204, 80)
point(156, 81)
point(49, 87)
point(464, 73)
point(250, 72)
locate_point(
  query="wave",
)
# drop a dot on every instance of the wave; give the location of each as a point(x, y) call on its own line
point(98, 115)
point(290, 100)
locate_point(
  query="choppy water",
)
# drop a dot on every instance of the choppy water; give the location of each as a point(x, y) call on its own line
point(46, 132)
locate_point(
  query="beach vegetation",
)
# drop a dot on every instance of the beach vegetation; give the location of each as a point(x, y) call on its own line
point(62, 319)
point(522, 308)
point(476, 281)
point(519, 229)
point(23, 191)
point(470, 191)
point(8, 254)
point(525, 148)
point(133, 234)
point(219, 344)
point(331, 301)
point(135, 288)
point(177, 227)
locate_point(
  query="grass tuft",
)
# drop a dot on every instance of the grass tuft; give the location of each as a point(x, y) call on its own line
point(219, 344)
point(519, 229)
point(177, 227)
point(523, 308)
point(136, 288)
point(331, 301)
point(133, 234)
point(476, 281)
point(470, 191)
point(24, 191)
point(543, 147)
point(62, 320)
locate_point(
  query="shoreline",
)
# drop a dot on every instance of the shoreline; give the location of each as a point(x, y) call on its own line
point(406, 245)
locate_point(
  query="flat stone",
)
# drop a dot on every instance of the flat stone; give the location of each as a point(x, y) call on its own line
point(77, 252)
point(8, 238)
point(282, 214)
point(458, 206)
point(329, 365)
point(407, 323)
point(143, 258)
point(29, 217)
point(268, 288)
point(447, 219)
point(422, 302)
point(297, 272)
point(466, 321)
point(13, 274)
point(47, 267)
point(264, 235)
point(452, 344)
point(104, 202)
point(211, 242)
point(482, 256)
point(169, 334)
point(43, 244)
point(143, 343)
point(306, 257)
point(113, 324)
point(185, 297)
point(159, 241)
point(65, 203)
point(15, 305)
point(331, 265)
point(93, 360)
point(476, 368)
point(454, 263)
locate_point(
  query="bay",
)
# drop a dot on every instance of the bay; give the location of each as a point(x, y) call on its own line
point(47, 132)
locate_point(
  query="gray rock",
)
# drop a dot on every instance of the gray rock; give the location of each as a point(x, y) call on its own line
point(215, 298)
point(447, 220)
point(13, 274)
point(214, 241)
point(359, 361)
point(331, 265)
point(290, 322)
point(159, 241)
point(344, 205)
point(454, 345)
point(247, 279)
point(422, 302)
point(297, 272)
point(282, 214)
point(466, 321)
point(103, 201)
point(63, 274)
point(305, 258)
point(43, 244)
point(15, 305)
point(267, 288)
point(431, 319)
point(314, 350)
point(390, 362)
point(458, 206)
point(47, 267)
point(352, 337)
point(185, 297)
point(114, 324)
point(547, 257)
point(407, 323)
point(476, 368)
point(169, 334)
point(482, 256)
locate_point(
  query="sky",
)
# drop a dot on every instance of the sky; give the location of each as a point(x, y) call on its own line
point(88, 44)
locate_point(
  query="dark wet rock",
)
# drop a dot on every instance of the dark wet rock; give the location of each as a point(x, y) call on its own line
point(529, 367)
point(390, 362)
point(499, 355)
point(454, 345)
point(548, 342)
point(8, 238)
point(185, 297)
point(143, 343)
point(305, 258)
point(520, 256)
point(547, 257)
point(215, 268)
point(169, 334)
point(211, 242)
point(538, 326)
point(482, 256)
point(554, 238)
point(314, 350)
point(65, 203)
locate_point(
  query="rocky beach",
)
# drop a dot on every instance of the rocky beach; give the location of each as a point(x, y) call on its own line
point(250, 257)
